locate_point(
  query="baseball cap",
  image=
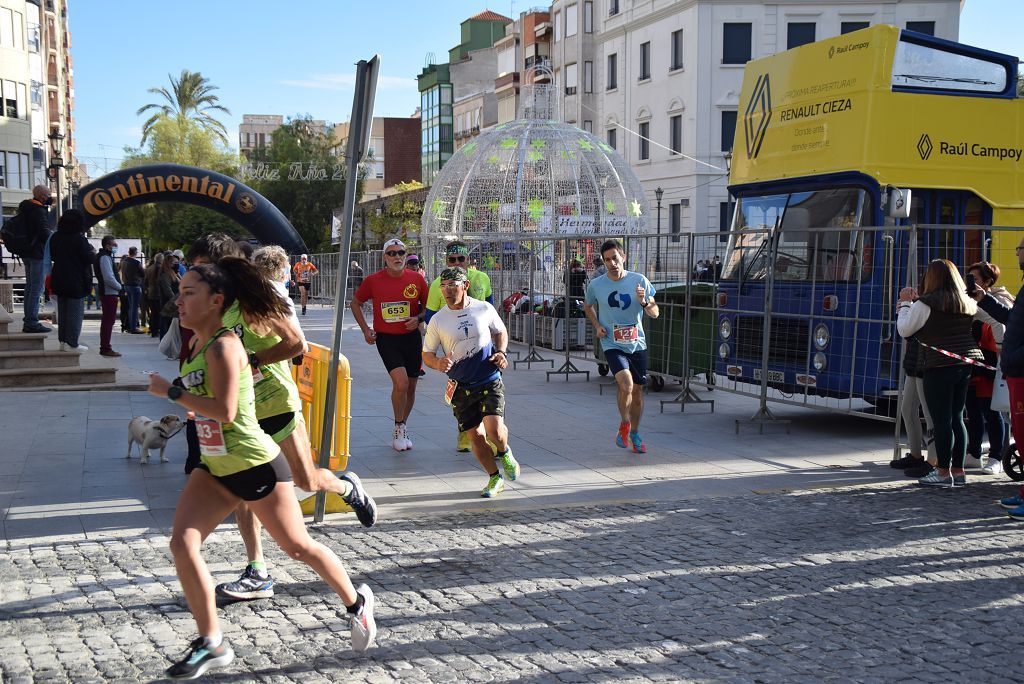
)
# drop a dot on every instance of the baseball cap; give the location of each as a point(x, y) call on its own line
point(413, 257)
point(393, 242)
point(178, 253)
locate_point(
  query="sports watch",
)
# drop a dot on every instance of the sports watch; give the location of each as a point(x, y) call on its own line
point(174, 393)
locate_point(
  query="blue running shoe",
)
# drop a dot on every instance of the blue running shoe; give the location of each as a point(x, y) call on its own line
point(638, 442)
point(201, 658)
point(1012, 501)
point(251, 585)
point(622, 438)
point(1016, 513)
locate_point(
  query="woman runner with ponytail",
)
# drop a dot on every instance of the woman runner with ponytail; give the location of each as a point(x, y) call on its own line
point(239, 461)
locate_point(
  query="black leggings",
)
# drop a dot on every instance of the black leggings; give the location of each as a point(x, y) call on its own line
point(981, 419)
point(945, 392)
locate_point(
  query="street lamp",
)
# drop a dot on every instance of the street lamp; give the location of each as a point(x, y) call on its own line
point(56, 160)
point(657, 255)
point(728, 196)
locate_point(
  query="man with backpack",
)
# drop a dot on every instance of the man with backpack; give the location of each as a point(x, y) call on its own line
point(25, 236)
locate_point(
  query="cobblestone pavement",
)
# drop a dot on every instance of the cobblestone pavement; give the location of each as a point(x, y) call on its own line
point(872, 583)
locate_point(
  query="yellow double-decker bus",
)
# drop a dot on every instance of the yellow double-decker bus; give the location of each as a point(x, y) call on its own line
point(840, 134)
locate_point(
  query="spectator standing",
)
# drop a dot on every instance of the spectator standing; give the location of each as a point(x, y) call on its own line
point(35, 213)
point(133, 276)
point(180, 256)
point(599, 269)
point(941, 319)
point(108, 288)
point(913, 464)
point(355, 277)
point(576, 280)
point(167, 283)
point(153, 293)
point(72, 257)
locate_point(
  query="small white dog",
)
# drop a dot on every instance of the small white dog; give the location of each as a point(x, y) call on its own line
point(152, 434)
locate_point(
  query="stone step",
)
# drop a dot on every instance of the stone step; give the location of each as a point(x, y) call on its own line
point(27, 360)
point(3, 327)
point(98, 387)
point(19, 341)
point(36, 377)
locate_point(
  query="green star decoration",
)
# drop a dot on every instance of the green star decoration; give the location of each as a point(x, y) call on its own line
point(538, 144)
point(534, 156)
point(569, 154)
point(438, 207)
point(634, 208)
point(605, 146)
point(469, 148)
point(535, 209)
point(609, 207)
point(585, 145)
point(493, 159)
point(469, 213)
point(508, 143)
point(493, 206)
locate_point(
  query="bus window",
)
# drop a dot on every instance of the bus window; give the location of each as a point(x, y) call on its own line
point(802, 254)
point(921, 67)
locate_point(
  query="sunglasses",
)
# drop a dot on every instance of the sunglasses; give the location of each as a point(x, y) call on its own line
point(456, 258)
point(400, 252)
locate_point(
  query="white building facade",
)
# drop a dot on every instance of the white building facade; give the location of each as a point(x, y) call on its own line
point(666, 76)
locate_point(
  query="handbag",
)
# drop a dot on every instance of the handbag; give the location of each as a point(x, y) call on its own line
point(1000, 393)
point(170, 343)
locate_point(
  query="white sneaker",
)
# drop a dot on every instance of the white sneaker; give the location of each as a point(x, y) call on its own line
point(364, 627)
point(80, 348)
point(972, 462)
point(398, 441)
point(63, 346)
point(405, 437)
point(993, 467)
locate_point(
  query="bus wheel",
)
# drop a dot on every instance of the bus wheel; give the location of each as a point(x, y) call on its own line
point(602, 369)
point(1012, 464)
point(657, 383)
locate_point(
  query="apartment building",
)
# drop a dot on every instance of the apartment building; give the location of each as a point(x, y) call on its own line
point(469, 73)
point(257, 132)
point(393, 155)
point(660, 80)
point(524, 57)
point(36, 101)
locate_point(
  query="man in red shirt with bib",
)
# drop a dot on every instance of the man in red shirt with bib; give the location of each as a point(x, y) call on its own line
point(399, 302)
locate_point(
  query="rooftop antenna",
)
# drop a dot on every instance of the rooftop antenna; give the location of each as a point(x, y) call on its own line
point(429, 60)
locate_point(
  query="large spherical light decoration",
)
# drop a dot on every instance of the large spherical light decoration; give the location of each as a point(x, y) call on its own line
point(534, 175)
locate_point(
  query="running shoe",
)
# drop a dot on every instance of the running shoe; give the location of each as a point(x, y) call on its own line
point(495, 486)
point(510, 465)
point(463, 445)
point(405, 437)
point(622, 438)
point(362, 503)
point(905, 462)
point(1016, 513)
point(934, 479)
point(252, 584)
point(398, 441)
point(638, 442)
point(1012, 501)
point(364, 627)
point(960, 480)
point(200, 658)
point(972, 461)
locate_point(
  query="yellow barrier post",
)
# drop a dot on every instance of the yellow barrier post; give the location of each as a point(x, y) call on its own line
point(311, 378)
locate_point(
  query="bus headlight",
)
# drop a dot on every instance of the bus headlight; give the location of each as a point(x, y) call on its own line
point(821, 336)
point(725, 329)
point(723, 351)
point(818, 362)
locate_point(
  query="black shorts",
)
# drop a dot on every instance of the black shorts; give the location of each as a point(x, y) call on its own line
point(256, 482)
point(279, 426)
point(401, 351)
point(303, 285)
point(636, 362)
point(471, 404)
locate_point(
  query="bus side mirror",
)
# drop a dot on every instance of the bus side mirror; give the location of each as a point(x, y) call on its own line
point(899, 203)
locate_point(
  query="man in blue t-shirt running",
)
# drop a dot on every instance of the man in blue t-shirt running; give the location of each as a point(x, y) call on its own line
point(622, 298)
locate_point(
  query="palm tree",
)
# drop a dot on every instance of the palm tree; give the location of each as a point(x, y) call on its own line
point(191, 98)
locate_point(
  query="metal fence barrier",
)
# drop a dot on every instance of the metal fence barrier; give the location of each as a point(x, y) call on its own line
point(802, 316)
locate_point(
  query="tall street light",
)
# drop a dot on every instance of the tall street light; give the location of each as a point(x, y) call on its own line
point(657, 256)
point(56, 160)
point(728, 197)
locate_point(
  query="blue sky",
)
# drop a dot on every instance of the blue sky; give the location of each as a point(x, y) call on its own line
point(272, 57)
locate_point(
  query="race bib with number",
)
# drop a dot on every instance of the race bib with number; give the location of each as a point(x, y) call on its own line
point(394, 312)
point(624, 333)
point(449, 391)
point(211, 437)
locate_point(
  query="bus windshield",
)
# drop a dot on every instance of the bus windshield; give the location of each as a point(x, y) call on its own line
point(802, 255)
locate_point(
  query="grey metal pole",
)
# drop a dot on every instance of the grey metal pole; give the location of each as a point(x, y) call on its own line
point(362, 110)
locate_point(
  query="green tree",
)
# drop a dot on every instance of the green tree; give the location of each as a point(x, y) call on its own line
point(400, 217)
point(190, 99)
point(309, 180)
point(172, 226)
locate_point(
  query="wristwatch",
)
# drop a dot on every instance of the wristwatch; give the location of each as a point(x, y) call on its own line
point(254, 360)
point(174, 393)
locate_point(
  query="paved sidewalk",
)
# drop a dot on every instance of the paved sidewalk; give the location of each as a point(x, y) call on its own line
point(713, 557)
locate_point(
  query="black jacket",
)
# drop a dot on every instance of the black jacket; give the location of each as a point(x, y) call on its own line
point(1011, 358)
point(73, 257)
point(37, 224)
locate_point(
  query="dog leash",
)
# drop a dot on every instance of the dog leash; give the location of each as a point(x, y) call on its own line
point(173, 433)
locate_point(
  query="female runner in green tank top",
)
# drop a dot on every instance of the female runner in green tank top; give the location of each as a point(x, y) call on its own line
point(239, 460)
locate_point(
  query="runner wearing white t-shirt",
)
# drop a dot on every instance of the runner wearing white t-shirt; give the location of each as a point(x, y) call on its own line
point(473, 339)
